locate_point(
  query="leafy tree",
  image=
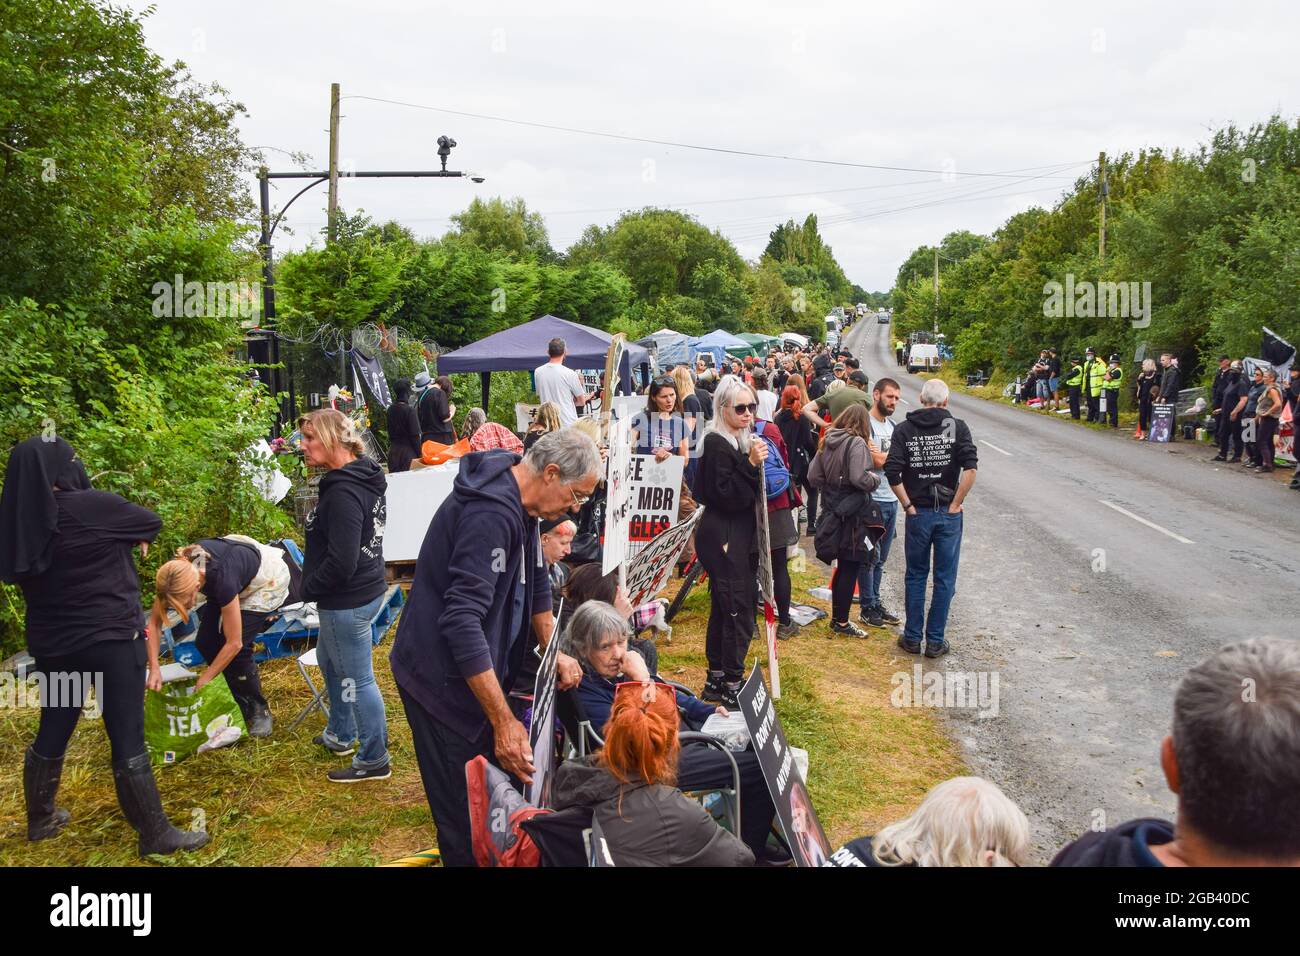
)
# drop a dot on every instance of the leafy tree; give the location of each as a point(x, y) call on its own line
point(505, 227)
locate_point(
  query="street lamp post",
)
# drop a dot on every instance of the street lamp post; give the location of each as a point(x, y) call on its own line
point(269, 225)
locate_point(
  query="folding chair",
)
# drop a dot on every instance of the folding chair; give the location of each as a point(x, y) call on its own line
point(582, 739)
point(317, 696)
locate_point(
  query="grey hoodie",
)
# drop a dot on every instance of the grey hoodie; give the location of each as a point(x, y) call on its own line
point(843, 460)
point(647, 825)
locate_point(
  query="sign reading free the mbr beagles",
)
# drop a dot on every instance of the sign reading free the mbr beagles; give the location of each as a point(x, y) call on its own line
point(799, 823)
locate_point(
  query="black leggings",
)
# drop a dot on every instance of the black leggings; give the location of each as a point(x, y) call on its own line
point(1266, 426)
point(722, 542)
point(810, 500)
point(846, 578)
point(117, 669)
point(781, 584)
point(241, 672)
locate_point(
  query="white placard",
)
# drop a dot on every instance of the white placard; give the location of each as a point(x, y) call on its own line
point(656, 495)
point(618, 494)
point(413, 498)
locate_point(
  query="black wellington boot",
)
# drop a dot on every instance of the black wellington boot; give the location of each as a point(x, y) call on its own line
point(40, 784)
point(137, 792)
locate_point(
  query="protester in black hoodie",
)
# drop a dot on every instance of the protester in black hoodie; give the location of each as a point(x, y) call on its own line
point(931, 468)
point(480, 584)
point(69, 547)
point(343, 572)
point(1233, 759)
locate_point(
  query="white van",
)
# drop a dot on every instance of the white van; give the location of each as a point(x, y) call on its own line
point(924, 357)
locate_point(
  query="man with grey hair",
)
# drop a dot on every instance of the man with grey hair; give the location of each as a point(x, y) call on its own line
point(1233, 759)
point(931, 468)
point(480, 585)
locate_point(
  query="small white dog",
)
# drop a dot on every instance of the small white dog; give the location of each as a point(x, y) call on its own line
point(650, 616)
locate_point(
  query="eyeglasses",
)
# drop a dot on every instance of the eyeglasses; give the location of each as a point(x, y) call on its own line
point(751, 408)
point(578, 500)
point(665, 381)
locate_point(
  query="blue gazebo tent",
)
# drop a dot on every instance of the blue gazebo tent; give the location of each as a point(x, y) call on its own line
point(720, 343)
point(523, 348)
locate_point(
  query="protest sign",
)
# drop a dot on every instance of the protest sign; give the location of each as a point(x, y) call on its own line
point(618, 494)
point(613, 360)
point(1162, 423)
point(799, 823)
point(650, 568)
point(541, 732)
point(655, 488)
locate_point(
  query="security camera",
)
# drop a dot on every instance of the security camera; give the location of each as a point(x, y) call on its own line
point(445, 144)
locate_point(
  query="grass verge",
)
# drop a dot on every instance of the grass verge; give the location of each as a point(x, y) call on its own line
point(267, 802)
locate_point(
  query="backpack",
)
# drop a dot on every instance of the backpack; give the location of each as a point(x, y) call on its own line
point(778, 475)
point(496, 810)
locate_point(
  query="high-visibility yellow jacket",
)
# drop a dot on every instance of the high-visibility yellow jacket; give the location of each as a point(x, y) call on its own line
point(1094, 373)
point(1075, 376)
point(1114, 377)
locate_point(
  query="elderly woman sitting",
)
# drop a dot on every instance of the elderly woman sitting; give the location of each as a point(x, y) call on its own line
point(597, 637)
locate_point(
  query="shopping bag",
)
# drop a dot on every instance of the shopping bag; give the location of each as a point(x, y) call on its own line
point(178, 721)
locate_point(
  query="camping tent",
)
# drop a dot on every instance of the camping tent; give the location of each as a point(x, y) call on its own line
point(670, 348)
point(523, 348)
point(719, 343)
point(761, 343)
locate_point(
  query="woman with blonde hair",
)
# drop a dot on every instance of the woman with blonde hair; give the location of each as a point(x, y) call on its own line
point(545, 420)
point(727, 485)
point(965, 821)
point(242, 582)
point(343, 572)
point(1147, 380)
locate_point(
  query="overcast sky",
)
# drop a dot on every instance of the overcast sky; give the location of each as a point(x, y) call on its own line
point(951, 89)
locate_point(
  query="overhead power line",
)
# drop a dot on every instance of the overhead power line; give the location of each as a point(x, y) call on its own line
point(676, 145)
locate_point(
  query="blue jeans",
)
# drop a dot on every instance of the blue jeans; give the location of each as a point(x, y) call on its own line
point(356, 706)
point(931, 529)
point(869, 577)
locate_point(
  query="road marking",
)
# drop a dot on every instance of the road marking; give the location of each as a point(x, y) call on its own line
point(1141, 520)
point(995, 447)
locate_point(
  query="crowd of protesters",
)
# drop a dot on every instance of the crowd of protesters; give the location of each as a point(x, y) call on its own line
point(489, 582)
point(1244, 411)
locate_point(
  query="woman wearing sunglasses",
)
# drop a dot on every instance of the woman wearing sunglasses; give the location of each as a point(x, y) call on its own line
point(727, 484)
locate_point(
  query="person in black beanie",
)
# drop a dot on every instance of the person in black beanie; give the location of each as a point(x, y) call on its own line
point(69, 548)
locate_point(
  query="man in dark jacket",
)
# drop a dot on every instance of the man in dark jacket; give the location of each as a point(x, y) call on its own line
point(480, 582)
point(1233, 759)
point(1170, 380)
point(931, 468)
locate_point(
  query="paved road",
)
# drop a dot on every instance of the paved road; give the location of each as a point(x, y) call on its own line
point(1094, 571)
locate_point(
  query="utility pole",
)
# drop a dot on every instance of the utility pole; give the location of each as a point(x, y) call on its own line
point(1102, 189)
point(332, 232)
point(936, 290)
point(332, 228)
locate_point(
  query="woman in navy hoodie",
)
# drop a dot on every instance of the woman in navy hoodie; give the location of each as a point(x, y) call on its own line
point(343, 572)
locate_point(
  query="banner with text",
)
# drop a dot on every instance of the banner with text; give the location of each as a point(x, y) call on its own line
point(803, 831)
point(618, 494)
point(651, 567)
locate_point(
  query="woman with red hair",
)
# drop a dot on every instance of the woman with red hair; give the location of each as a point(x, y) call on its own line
point(631, 787)
point(800, 442)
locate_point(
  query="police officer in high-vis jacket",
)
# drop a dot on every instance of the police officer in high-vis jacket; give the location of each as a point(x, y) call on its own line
point(1111, 386)
point(1073, 381)
point(1094, 373)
